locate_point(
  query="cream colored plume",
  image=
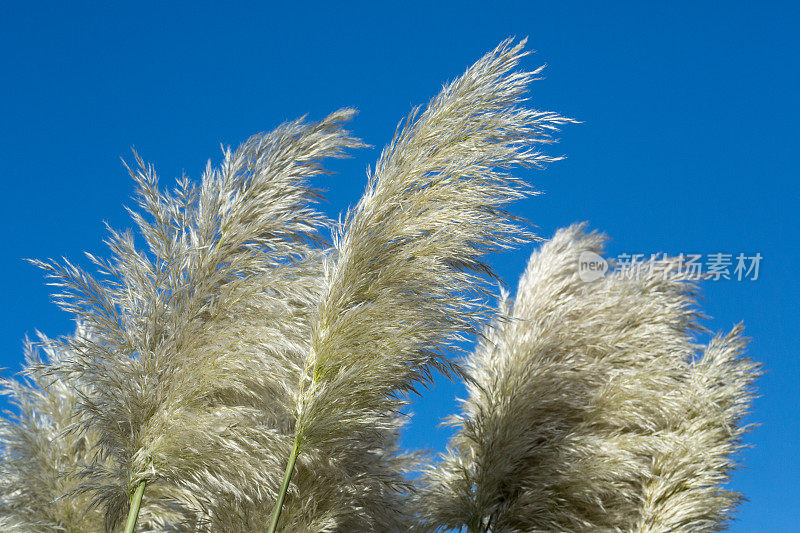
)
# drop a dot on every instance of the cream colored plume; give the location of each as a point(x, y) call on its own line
point(590, 409)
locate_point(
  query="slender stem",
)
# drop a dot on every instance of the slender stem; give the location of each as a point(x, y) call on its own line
point(136, 502)
point(287, 476)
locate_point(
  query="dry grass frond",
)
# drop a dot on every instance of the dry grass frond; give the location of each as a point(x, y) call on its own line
point(40, 455)
point(399, 285)
point(589, 408)
point(196, 339)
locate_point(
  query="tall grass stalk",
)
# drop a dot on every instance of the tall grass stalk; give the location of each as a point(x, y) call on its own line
point(136, 502)
point(287, 476)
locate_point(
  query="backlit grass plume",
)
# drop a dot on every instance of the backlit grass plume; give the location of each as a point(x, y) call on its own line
point(196, 337)
point(397, 285)
point(40, 456)
point(589, 408)
point(44, 455)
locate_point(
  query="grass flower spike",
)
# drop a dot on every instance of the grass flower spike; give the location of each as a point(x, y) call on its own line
point(589, 408)
point(40, 456)
point(407, 258)
point(187, 367)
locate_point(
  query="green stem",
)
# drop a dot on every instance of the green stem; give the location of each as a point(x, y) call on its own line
point(287, 476)
point(136, 502)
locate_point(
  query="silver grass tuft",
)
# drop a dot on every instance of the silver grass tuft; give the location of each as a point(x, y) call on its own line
point(195, 339)
point(44, 453)
point(590, 409)
point(399, 285)
point(40, 456)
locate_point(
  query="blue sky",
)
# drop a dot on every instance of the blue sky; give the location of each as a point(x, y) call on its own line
point(688, 143)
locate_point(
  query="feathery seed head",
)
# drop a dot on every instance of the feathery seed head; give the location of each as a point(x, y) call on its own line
point(590, 410)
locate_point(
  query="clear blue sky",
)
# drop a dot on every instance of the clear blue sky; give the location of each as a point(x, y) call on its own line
point(688, 143)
